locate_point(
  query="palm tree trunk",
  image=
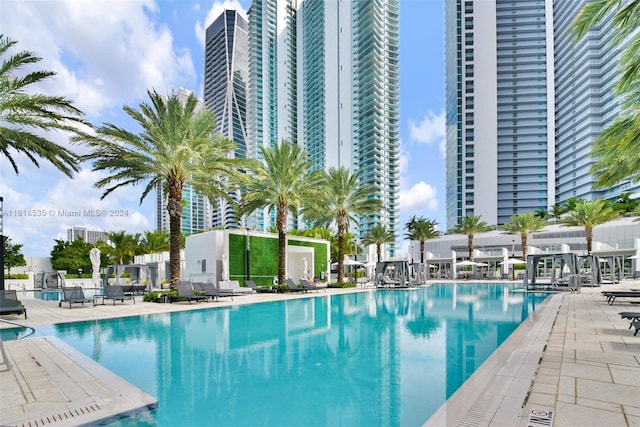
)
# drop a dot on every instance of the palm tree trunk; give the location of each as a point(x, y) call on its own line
point(378, 249)
point(588, 231)
point(340, 252)
point(421, 251)
point(470, 247)
point(281, 224)
point(524, 246)
point(174, 207)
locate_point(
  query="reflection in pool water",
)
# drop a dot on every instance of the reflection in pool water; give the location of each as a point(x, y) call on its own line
point(385, 357)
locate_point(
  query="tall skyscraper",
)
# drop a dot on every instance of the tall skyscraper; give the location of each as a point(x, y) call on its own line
point(225, 90)
point(197, 212)
point(524, 103)
point(325, 75)
point(499, 109)
point(586, 103)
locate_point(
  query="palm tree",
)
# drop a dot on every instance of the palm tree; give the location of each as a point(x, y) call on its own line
point(617, 148)
point(283, 182)
point(378, 235)
point(470, 226)
point(341, 198)
point(22, 112)
point(625, 20)
point(155, 241)
point(524, 224)
point(557, 211)
point(122, 246)
point(177, 145)
point(588, 215)
point(542, 213)
point(421, 229)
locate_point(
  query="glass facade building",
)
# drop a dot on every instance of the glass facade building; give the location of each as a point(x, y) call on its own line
point(325, 75)
point(226, 71)
point(524, 103)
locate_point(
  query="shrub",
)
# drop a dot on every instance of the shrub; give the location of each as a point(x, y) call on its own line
point(342, 285)
point(18, 276)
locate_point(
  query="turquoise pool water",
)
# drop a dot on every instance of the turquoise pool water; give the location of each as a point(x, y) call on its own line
point(379, 358)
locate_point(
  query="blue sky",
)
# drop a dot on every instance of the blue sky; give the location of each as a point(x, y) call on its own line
point(108, 53)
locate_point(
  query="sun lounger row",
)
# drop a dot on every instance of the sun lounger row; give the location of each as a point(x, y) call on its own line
point(304, 286)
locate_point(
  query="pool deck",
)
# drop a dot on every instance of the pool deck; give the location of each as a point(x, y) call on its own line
point(574, 358)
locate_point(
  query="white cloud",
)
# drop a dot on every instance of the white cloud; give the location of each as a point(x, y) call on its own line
point(418, 199)
point(213, 13)
point(429, 129)
point(117, 44)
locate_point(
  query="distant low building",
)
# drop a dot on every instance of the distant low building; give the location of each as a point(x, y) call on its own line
point(89, 236)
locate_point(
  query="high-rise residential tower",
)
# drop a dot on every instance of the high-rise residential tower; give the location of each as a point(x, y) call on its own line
point(499, 108)
point(524, 103)
point(325, 75)
point(226, 71)
point(586, 73)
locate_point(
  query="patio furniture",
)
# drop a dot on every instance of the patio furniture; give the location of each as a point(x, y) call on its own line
point(632, 316)
point(185, 292)
point(115, 293)
point(73, 295)
point(636, 325)
point(210, 290)
point(611, 296)
point(237, 290)
point(9, 303)
point(251, 285)
point(291, 285)
point(312, 287)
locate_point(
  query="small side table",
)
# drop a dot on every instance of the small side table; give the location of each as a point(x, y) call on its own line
point(97, 298)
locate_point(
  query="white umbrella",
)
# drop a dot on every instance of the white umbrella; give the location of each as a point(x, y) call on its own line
point(465, 263)
point(483, 264)
point(634, 257)
point(513, 261)
point(348, 261)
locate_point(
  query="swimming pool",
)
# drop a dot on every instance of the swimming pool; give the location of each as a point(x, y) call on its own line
point(383, 357)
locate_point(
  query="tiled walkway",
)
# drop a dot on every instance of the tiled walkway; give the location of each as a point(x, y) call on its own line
point(590, 372)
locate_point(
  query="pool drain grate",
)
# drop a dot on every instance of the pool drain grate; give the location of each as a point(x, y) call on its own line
point(66, 417)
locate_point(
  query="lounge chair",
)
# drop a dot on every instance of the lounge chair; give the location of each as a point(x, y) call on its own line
point(637, 326)
point(293, 287)
point(116, 293)
point(226, 288)
point(209, 290)
point(73, 295)
point(9, 303)
point(237, 290)
point(250, 284)
point(312, 287)
point(632, 316)
point(185, 291)
point(612, 295)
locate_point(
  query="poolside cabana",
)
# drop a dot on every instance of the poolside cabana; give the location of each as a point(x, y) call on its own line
point(393, 274)
point(138, 273)
point(564, 271)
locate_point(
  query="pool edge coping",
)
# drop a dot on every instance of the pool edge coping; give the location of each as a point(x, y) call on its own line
point(496, 393)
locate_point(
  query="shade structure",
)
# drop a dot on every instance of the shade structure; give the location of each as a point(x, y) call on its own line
point(513, 261)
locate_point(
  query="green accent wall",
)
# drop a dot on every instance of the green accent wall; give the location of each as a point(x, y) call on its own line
point(264, 257)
